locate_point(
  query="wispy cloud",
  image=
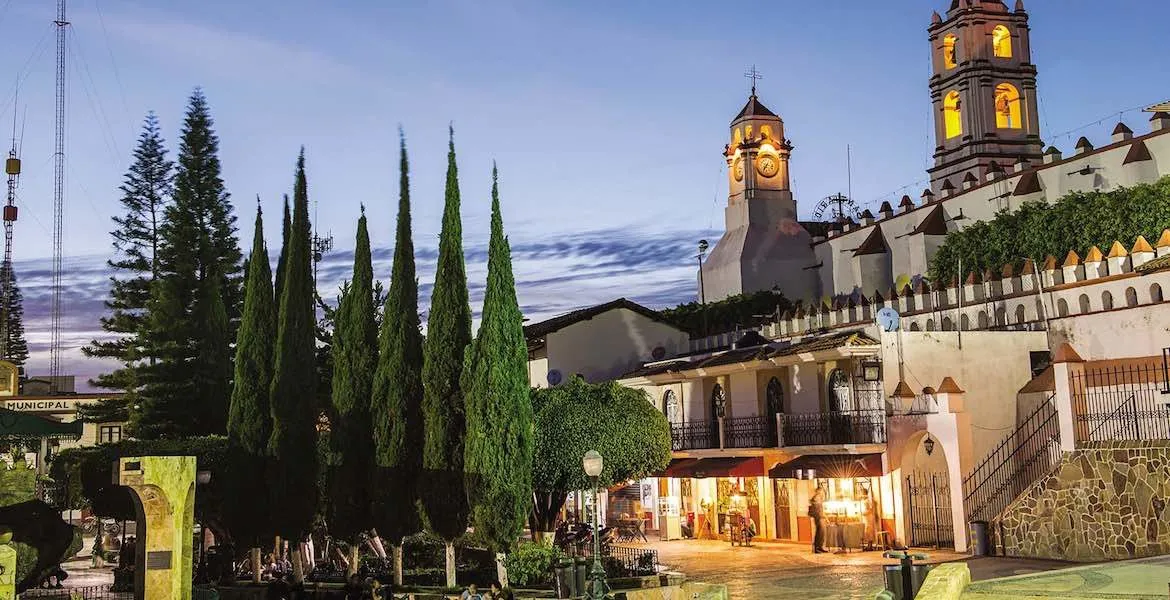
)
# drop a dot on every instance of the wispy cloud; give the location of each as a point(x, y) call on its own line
point(552, 277)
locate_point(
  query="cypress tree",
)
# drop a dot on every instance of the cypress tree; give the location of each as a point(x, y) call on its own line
point(146, 188)
point(398, 389)
point(444, 502)
point(355, 346)
point(293, 444)
point(249, 420)
point(286, 226)
point(499, 444)
point(15, 344)
point(197, 242)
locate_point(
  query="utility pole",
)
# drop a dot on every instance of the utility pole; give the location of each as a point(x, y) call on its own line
point(58, 198)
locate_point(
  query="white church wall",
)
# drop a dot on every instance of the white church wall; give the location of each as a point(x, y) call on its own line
point(610, 345)
point(991, 367)
point(743, 396)
point(805, 388)
point(1119, 333)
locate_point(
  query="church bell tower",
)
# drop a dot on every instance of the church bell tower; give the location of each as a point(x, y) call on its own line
point(983, 91)
point(764, 245)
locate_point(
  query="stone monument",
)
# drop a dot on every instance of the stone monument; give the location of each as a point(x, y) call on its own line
point(164, 502)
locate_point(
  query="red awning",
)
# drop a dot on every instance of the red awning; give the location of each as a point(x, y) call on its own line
point(830, 465)
point(700, 468)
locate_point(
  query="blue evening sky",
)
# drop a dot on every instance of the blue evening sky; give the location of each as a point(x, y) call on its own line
point(607, 118)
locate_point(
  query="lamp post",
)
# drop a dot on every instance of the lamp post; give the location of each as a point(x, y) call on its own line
point(702, 292)
point(593, 463)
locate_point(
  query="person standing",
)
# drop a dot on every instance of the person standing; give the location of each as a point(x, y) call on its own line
point(816, 511)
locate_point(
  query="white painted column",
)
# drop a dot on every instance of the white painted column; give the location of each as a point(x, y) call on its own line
point(1065, 364)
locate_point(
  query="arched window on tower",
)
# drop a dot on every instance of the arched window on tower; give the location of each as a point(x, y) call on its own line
point(950, 59)
point(1007, 107)
point(1001, 42)
point(738, 138)
point(766, 132)
point(952, 115)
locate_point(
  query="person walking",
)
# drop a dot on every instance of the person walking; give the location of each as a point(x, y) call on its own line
point(816, 511)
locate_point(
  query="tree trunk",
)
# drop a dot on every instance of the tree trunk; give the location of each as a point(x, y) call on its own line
point(307, 555)
point(501, 569)
point(297, 567)
point(352, 567)
point(379, 548)
point(450, 552)
point(546, 508)
point(257, 566)
point(276, 549)
point(397, 549)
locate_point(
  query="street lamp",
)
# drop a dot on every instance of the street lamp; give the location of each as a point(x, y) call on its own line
point(702, 292)
point(593, 463)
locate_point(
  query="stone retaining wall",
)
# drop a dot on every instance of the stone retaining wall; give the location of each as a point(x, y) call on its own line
point(1107, 501)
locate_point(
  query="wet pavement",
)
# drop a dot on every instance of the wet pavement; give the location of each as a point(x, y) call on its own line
point(779, 570)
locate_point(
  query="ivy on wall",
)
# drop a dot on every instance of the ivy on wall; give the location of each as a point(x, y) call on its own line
point(751, 309)
point(1077, 221)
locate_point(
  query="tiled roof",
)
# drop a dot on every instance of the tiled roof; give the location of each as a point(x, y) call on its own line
point(543, 328)
point(755, 353)
point(754, 108)
point(934, 223)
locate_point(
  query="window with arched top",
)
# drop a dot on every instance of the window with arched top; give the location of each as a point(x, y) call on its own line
point(930, 324)
point(1007, 107)
point(1001, 42)
point(737, 137)
point(1083, 301)
point(1021, 315)
point(1131, 297)
point(774, 398)
point(950, 58)
point(840, 392)
point(747, 132)
point(1062, 308)
point(1155, 293)
point(964, 323)
point(718, 402)
point(952, 115)
point(914, 326)
point(1001, 316)
point(766, 132)
point(948, 324)
point(1106, 301)
point(672, 407)
point(981, 320)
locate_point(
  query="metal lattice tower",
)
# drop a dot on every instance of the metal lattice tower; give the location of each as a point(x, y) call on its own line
point(58, 196)
point(12, 168)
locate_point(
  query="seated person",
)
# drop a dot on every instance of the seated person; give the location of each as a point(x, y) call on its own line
point(471, 593)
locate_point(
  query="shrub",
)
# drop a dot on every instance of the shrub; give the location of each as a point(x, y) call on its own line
point(532, 563)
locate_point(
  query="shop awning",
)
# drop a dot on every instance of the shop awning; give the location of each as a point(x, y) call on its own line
point(23, 426)
point(829, 465)
point(700, 468)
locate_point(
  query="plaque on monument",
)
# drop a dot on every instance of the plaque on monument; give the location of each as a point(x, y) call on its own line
point(158, 560)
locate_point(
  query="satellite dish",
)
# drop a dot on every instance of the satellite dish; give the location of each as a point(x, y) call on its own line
point(554, 378)
point(888, 319)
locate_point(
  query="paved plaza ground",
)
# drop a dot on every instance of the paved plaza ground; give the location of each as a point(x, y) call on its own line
point(1141, 579)
point(777, 570)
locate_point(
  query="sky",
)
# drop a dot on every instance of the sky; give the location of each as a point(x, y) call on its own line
point(607, 120)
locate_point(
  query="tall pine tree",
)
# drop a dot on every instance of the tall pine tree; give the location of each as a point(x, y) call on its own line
point(355, 360)
point(293, 444)
point(499, 444)
point(443, 500)
point(398, 389)
point(15, 344)
point(146, 189)
point(249, 420)
point(188, 352)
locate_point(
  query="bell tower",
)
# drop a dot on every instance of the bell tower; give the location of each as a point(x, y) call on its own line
point(983, 91)
point(764, 245)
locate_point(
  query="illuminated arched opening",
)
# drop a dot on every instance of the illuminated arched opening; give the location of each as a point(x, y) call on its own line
point(766, 132)
point(949, 57)
point(1001, 42)
point(952, 117)
point(747, 132)
point(1007, 107)
point(737, 138)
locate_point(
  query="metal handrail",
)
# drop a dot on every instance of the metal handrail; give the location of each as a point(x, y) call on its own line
point(1115, 414)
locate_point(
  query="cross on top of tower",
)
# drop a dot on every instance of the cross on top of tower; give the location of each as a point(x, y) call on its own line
point(755, 76)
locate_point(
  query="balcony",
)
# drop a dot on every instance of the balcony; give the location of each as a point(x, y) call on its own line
point(812, 429)
point(846, 427)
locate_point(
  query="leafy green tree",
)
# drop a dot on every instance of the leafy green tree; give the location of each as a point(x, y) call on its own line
point(146, 188)
point(293, 444)
point(398, 388)
point(15, 344)
point(1076, 221)
point(749, 309)
point(355, 359)
point(196, 242)
point(499, 444)
point(249, 419)
point(619, 422)
point(444, 501)
point(285, 228)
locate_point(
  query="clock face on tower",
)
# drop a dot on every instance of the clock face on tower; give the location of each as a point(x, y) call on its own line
point(768, 165)
point(737, 169)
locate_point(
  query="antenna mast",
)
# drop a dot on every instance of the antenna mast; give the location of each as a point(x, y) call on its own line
point(12, 168)
point(58, 197)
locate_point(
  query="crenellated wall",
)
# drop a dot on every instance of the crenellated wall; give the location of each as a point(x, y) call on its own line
point(1102, 287)
point(903, 238)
